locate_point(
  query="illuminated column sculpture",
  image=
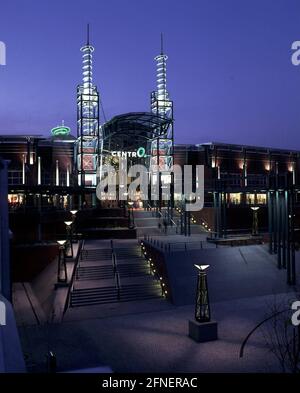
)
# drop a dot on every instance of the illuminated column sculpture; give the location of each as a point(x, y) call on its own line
point(73, 229)
point(73, 212)
point(202, 309)
point(69, 236)
point(130, 215)
point(62, 275)
point(255, 220)
point(202, 328)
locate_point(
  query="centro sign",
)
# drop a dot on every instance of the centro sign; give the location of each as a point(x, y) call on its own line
point(140, 153)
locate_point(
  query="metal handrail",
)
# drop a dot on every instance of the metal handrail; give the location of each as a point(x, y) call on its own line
point(156, 276)
point(114, 263)
point(167, 245)
point(118, 285)
point(71, 285)
point(185, 244)
point(116, 275)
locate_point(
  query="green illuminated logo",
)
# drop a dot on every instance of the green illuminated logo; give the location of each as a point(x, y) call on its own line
point(141, 152)
point(60, 130)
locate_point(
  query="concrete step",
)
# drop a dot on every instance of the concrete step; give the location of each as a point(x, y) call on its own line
point(91, 296)
point(107, 282)
point(108, 262)
point(104, 272)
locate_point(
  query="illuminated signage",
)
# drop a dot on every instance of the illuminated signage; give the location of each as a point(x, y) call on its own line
point(60, 130)
point(140, 153)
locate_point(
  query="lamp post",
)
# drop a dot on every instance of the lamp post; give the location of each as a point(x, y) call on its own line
point(69, 235)
point(73, 212)
point(255, 220)
point(124, 204)
point(190, 199)
point(202, 309)
point(202, 329)
point(61, 264)
point(131, 222)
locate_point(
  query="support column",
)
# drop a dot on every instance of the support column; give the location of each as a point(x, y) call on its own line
point(215, 200)
point(39, 180)
point(284, 228)
point(270, 221)
point(224, 218)
point(219, 214)
point(279, 229)
point(5, 282)
point(56, 173)
point(293, 264)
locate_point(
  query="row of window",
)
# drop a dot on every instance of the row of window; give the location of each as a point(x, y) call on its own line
point(234, 180)
point(15, 178)
point(251, 199)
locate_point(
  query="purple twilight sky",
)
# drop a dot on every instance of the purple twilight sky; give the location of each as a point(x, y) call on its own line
point(229, 69)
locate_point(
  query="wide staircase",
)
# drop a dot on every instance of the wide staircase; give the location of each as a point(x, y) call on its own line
point(196, 225)
point(105, 223)
point(148, 222)
point(111, 275)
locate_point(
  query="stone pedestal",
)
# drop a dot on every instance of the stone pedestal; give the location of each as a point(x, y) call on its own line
point(202, 332)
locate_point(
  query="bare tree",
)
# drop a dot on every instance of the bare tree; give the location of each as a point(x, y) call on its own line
point(283, 338)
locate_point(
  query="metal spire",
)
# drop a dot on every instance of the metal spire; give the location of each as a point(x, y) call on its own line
point(88, 34)
point(161, 104)
point(87, 62)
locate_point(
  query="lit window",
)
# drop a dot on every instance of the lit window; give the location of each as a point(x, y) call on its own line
point(235, 198)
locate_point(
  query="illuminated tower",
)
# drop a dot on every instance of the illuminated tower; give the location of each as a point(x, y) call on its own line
point(88, 130)
point(163, 136)
point(160, 102)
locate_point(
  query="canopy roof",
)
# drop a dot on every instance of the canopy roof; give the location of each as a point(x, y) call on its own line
point(144, 125)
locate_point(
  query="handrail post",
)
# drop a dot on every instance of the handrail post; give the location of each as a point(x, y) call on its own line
point(118, 286)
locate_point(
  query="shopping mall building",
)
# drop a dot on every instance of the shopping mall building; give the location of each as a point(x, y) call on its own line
point(63, 170)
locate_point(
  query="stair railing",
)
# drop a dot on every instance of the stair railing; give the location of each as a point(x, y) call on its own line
point(73, 277)
point(116, 275)
point(118, 286)
point(154, 272)
point(173, 223)
point(114, 263)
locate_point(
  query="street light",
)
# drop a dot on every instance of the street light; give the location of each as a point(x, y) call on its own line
point(190, 198)
point(130, 204)
point(255, 220)
point(62, 261)
point(73, 212)
point(202, 310)
point(125, 194)
point(69, 235)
